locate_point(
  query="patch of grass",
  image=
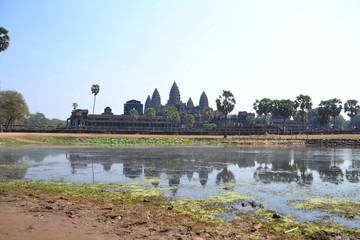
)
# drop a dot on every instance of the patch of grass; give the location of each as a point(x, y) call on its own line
point(298, 230)
point(207, 209)
point(149, 141)
point(11, 142)
point(340, 208)
point(12, 166)
point(12, 171)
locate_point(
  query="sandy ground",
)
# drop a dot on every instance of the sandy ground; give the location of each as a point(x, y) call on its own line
point(49, 216)
point(16, 224)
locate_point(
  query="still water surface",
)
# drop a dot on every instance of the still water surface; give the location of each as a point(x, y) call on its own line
point(272, 176)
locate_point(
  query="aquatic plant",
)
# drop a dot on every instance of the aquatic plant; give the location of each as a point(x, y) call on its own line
point(344, 209)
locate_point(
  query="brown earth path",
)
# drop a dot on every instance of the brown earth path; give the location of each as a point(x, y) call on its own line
point(16, 224)
point(45, 216)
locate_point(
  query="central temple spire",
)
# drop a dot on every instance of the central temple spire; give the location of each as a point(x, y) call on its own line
point(174, 96)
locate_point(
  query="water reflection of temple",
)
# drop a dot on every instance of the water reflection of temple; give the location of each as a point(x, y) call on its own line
point(176, 164)
point(267, 175)
point(16, 162)
point(196, 164)
point(352, 173)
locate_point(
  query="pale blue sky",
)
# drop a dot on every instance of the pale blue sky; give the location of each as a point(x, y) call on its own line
point(256, 49)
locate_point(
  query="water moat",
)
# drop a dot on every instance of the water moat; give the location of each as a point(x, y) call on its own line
point(278, 178)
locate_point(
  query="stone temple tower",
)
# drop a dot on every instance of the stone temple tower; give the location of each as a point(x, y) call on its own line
point(174, 96)
point(148, 102)
point(156, 100)
point(203, 103)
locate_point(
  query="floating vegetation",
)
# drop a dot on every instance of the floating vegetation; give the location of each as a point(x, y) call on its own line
point(11, 167)
point(108, 141)
point(149, 141)
point(341, 208)
point(227, 197)
point(285, 227)
point(12, 171)
point(207, 209)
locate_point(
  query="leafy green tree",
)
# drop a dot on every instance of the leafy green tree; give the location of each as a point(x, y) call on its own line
point(12, 107)
point(57, 122)
point(312, 116)
point(263, 107)
point(134, 114)
point(74, 105)
point(189, 120)
point(250, 120)
point(331, 107)
point(304, 103)
point(38, 119)
point(95, 89)
point(341, 122)
point(323, 116)
point(283, 108)
point(4, 39)
point(210, 126)
point(352, 108)
point(356, 121)
point(171, 114)
point(225, 104)
point(335, 108)
point(209, 114)
point(150, 112)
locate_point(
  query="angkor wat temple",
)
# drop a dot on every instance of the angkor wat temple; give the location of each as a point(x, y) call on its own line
point(80, 118)
point(175, 100)
point(81, 121)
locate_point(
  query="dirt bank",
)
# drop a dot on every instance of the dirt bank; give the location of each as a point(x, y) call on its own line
point(24, 215)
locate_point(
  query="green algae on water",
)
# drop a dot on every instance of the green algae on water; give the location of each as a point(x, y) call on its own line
point(341, 208)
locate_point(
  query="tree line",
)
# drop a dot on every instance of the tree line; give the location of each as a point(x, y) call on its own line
point(14, 111)
point(301, 110)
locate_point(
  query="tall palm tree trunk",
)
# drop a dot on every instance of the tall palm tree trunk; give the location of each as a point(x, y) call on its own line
point(94, 104)
point(225, 135)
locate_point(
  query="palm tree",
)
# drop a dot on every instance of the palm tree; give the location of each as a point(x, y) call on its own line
point(323, 114)
point(150, 112)
point(4, 39)
point(283, 108)
point(134, 115)
point(171, 114)
point(329, 108)
point(189, 120)
point(74, 105)
point(225, 104)
point(209, 114)
point(332, 107)
point(351, 106)
point(304, 103)
point(95, 89)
